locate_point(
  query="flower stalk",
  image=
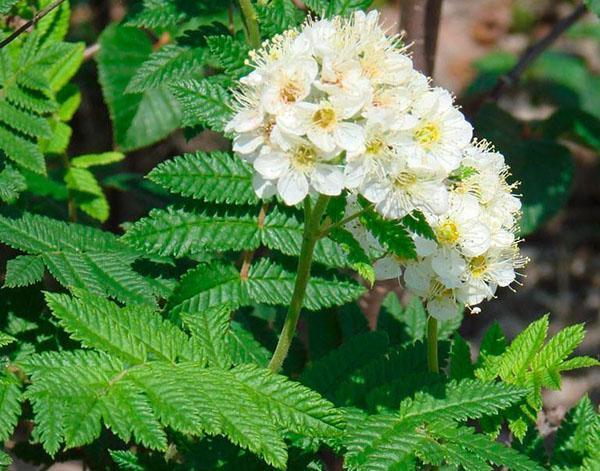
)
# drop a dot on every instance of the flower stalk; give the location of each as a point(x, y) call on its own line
point(251, 20)
point(432, 345)
point(312, 226)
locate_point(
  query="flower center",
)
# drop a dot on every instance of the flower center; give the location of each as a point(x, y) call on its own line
point(428, 134)
point(478, 266)
point(404, 179)
point(290, 92)
point(375, 146)
point(447, 233)
point(324, 118)
point(267, 129)
point(304, 157)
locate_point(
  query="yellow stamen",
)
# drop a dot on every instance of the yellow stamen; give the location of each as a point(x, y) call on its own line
point(478, 266)
point(304, 157)
point(325, 118)
point(404, 179)
point(447, 233)
point(428, 134)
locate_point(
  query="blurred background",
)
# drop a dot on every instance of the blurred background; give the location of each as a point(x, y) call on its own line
point(548, 126)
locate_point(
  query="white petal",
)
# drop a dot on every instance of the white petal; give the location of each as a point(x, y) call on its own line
point(247, 143)
point(293, 187)
point(417, 278)
point(354, 174)
point(449, 266)
point(475, 239)
point(376, 191)
point(503, 273)
point(425, 247)
point(271, 165)
point(327, 179)
point(442, 308)
point(387, 268)
point(263, 188)
point(322, 140)
point(350, 136)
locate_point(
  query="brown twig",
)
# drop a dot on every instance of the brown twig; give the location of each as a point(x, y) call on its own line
point(37, 17)
point(91, 51)
point(249, 254)
point(529, 55)
point(420, 19)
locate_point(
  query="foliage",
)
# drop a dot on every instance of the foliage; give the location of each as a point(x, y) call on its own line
point(150, 348)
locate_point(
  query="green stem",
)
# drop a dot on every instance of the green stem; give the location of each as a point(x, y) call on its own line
point(251, 20)
point(309, 239)
point(432, 345)
point(343, 222)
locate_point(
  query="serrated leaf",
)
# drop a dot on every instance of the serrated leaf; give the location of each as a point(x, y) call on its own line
point(138, 119)
point(216, 177)
point(134, 333)
point(12, 184)
point(268, 283)
point(204, 102)
point(24, 270)
point(231, 54)
point(171, 63)
point(10, 404)
point(391, 234)
point(210, 328)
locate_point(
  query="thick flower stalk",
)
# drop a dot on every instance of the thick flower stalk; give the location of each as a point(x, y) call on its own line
point(337, 106)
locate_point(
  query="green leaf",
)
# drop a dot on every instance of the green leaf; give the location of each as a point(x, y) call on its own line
point(231, 54)
point(138, 119)
point(336, 7)
point(577, 436)
point(244, 348)
point(268, 283)
point(22, 151)
point(94, 160)
point(12, 184)
point(171, 63)
point(391, 234)
point(179, 233)
point(460, 359)
point(87, 193)
point(24, 270)
point(6, 5)
point(211, 329)
point(79, 256)
point(204, 102)
point(326, 374)
point(135, 334)
point(10, 404)
point(23, 121)
point(217, 177)
point(278, 16)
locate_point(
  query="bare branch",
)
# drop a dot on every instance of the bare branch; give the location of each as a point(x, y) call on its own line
point(420, 20)
point(531, 54)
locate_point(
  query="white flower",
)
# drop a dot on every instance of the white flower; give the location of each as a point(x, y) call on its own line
point(488, 271)
point(440, 133)
point(420, 278)
point(373, 158)
point(324, 124)
point(405, 189)
point(298, 170)
point(289, 83)
point(460, 226)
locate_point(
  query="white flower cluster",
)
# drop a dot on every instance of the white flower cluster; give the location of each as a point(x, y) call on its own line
point(338, 106)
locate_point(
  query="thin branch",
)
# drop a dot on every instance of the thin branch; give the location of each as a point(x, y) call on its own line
point(91, 51)
point(420, 19)
point(248, 255)
point(37, 17)
point(531, 54)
